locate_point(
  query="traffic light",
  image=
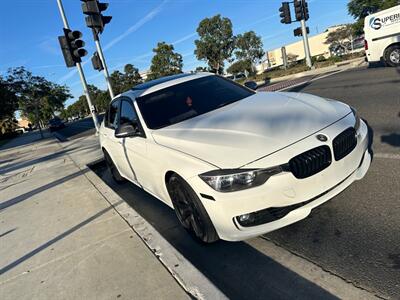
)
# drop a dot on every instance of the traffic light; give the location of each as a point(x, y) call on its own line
point(96, 62)
point(298, 32)
point(72, 47)
point(301, 10)
point(298, 9)
point(285, 13)
point(94, 19)
point(305, 10)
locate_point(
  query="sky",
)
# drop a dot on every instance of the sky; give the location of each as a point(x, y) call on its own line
point(29, 30)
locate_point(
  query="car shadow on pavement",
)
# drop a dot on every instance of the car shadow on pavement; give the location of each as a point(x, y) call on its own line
point(392, 139)
point(237, 269)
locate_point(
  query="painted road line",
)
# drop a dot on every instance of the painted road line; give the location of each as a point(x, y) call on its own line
point(311, 80)
point(387, 155)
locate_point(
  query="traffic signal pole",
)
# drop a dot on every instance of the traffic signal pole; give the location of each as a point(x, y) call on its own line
point(80, 71)
point(103, 61)
point(305, 42)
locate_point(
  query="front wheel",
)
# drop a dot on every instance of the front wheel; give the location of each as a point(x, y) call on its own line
point(190, 211)
point(392, 56)
point(113, 169)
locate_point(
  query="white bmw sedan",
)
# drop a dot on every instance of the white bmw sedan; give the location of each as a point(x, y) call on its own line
point(231, 162)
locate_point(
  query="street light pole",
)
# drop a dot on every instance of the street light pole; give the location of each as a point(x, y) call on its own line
point(305, 42)
point(80, 71)
point(103, 61)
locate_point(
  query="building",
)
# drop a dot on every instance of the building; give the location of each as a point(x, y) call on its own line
point(23, 122)
point(317, 48)
point(144, 74)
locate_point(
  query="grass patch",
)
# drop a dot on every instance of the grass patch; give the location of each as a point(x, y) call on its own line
point(318, 62)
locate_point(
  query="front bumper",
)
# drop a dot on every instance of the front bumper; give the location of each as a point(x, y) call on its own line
point(284, 189)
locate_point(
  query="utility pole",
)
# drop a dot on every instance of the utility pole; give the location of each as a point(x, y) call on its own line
point(305, 43)
point(284, 57)
point(96, 21)
point(37, 117)
point(75, 55)
point(103, 61)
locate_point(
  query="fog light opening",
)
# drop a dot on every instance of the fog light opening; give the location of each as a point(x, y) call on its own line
point(246, 219)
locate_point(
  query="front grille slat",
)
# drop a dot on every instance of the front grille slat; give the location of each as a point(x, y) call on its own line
point(310, 162)
point(344, 143)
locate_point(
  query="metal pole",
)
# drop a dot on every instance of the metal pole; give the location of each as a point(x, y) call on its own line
point(38, 118)
point(103, 61)
point(80, 71)
point(305, 42)
point(284, 57)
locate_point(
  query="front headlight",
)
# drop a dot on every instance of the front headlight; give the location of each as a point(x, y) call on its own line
point(357, 118)
point(231, 180)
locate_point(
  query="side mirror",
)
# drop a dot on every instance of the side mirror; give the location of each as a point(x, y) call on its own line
point(251, 85)
point(127, 130)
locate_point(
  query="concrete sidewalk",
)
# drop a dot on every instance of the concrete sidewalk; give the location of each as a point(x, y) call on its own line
point(59, 237)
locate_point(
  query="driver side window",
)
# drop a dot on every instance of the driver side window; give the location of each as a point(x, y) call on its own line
point(128, 114)
point(111, 118)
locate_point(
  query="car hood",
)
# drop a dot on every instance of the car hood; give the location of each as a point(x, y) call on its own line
point(236, 134)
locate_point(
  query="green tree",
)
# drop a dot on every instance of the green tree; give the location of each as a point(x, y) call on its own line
point(8, 100)
point(240, 66)
point(38, 98)
point(359, 9)
point(117, 81)
point(216, 42)
point(201, 69)
point(122, 82)
point(342, 36)
point(249, 48)
point(165, 61)
point(102, 101)
point(132, 76)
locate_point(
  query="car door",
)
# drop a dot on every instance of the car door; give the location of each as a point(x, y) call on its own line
point(132, 149)
point(111, 143)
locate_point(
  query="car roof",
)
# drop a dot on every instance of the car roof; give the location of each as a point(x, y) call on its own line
point(151, 83)
point(162, 83)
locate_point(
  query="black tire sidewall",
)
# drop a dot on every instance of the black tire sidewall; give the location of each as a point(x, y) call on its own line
point(210, 235)
point(113, 169)
point(387, 56)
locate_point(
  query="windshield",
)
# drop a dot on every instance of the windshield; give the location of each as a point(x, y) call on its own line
point(189, 99)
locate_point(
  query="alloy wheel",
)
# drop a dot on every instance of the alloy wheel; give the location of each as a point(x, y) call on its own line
point(186, 210)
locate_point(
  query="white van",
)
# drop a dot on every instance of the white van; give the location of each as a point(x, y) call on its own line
point(382, 36)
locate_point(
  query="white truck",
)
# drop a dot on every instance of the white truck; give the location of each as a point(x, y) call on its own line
point(382, 36)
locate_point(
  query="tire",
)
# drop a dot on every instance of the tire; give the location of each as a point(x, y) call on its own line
point(392, 56)
point(113, 169)
point(190, 211)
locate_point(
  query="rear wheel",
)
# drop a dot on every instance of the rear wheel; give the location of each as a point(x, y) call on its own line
point(190, 211)
point(392, 56)
point(113, 169)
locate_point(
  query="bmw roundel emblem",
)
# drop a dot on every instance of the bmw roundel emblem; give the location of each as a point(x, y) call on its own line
point(322, 137)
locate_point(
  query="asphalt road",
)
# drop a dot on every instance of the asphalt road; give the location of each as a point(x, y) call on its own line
point(79, 128)
point(356, 235)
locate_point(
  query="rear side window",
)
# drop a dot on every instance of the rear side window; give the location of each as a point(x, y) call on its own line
point(112, 115)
